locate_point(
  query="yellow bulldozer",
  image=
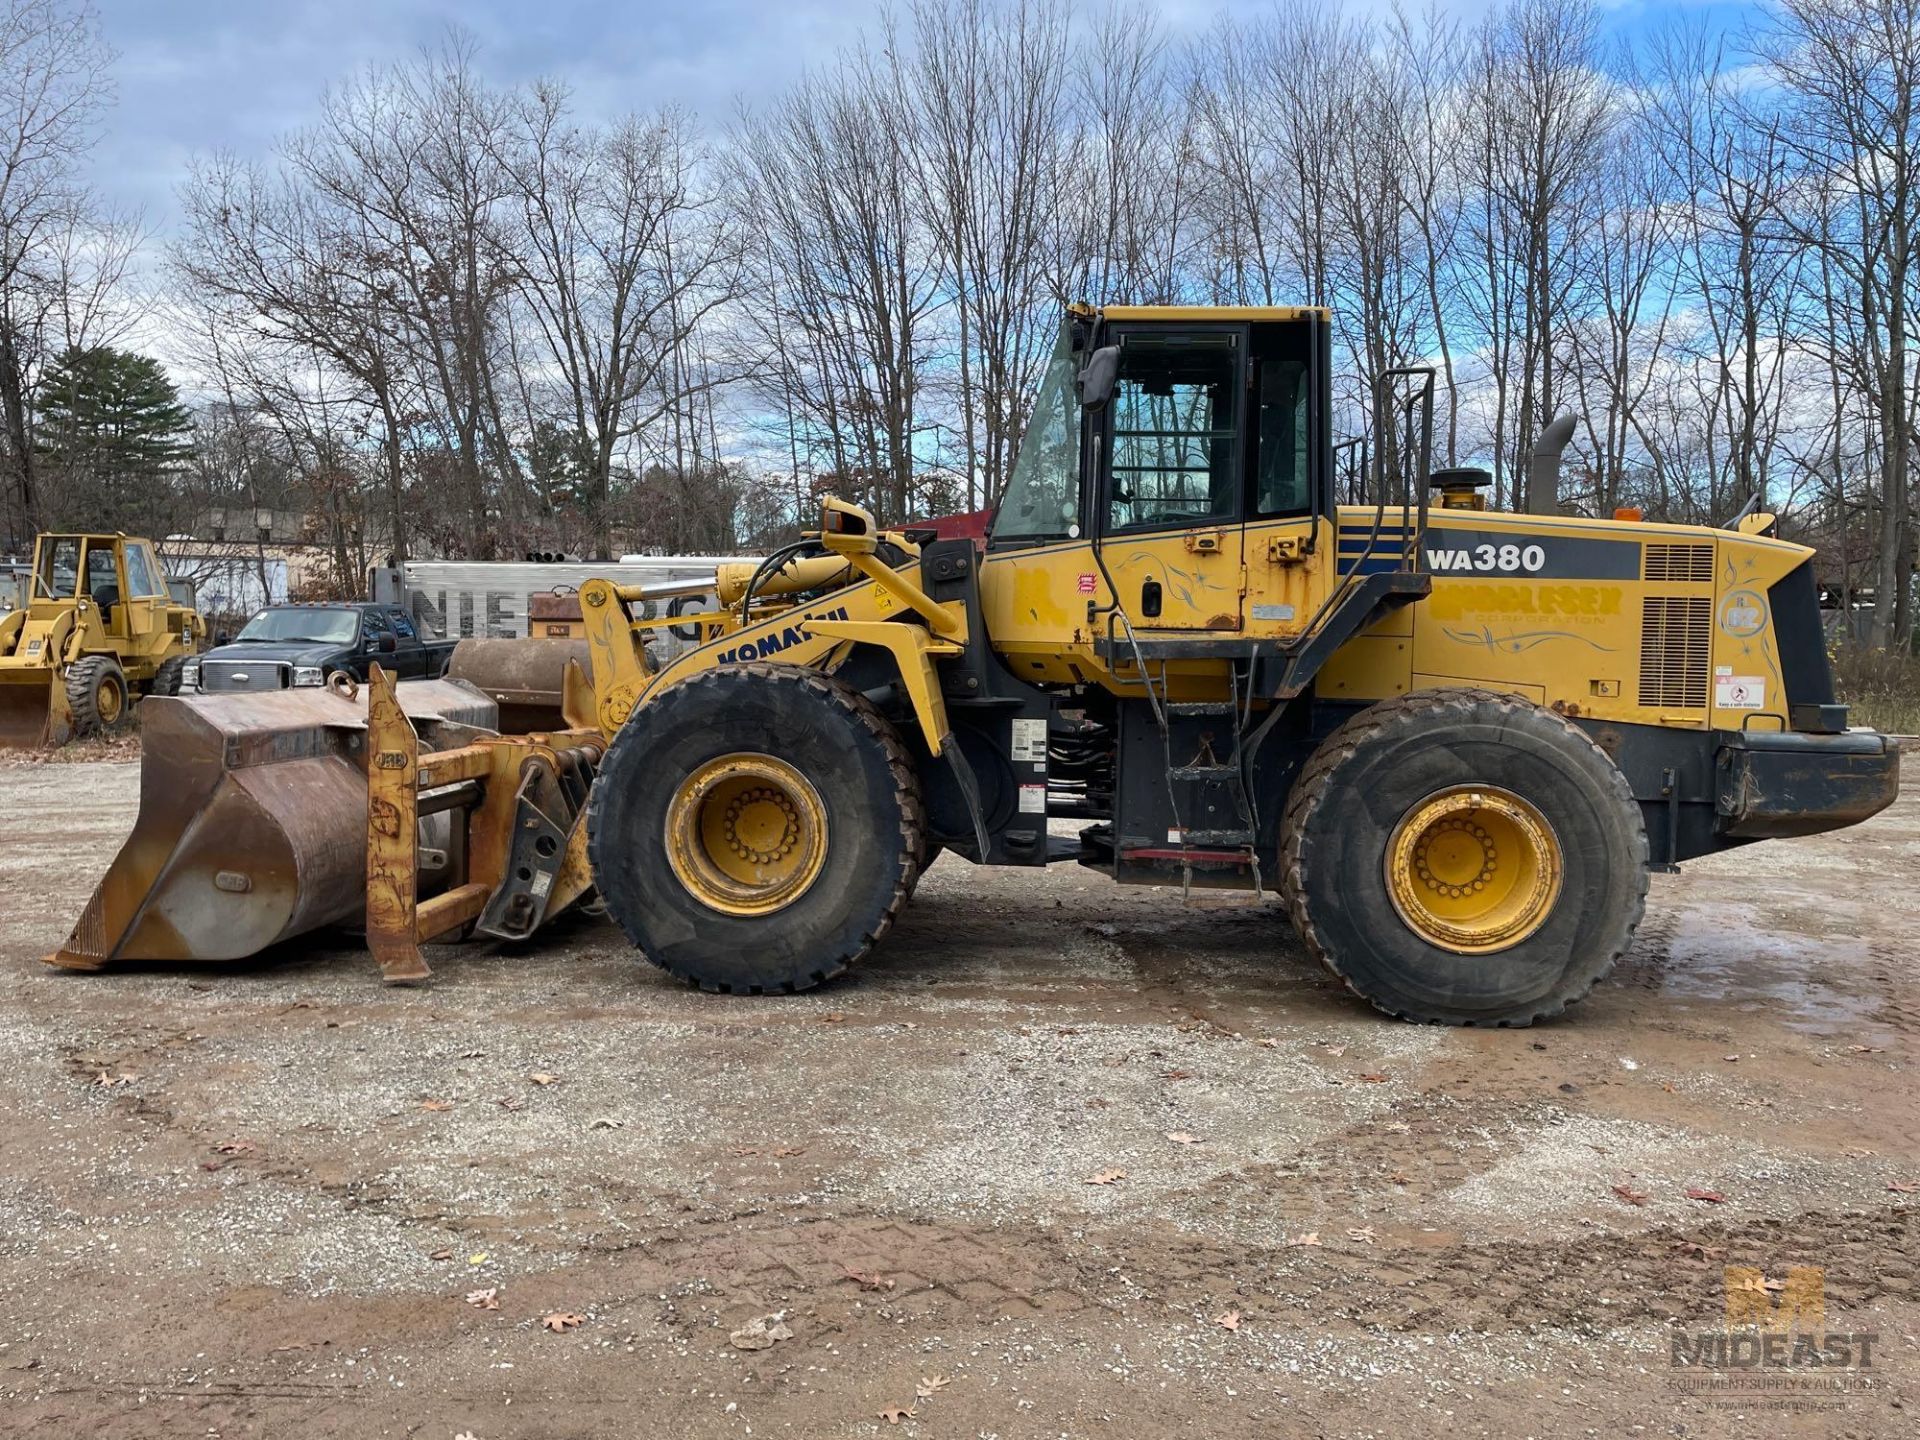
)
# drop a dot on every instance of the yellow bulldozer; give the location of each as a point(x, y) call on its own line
point(95, 629)
point(1454, 740)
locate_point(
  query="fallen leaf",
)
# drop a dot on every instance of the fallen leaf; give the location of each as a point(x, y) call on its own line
point(436, 1105)
point(1311, 1237)
point(1730, 1059)
point(1336, 1051)
point(868, 1279)
point(234, 1147)
point(1630, 1195)
point(761, 1332)
point(1268, 1044)
point(107, 1080)
point(787, 1151)
point(1178, 1075)
point(509, 1102)
point(930, 1386)
point(441, 1255)
point(1374, 1077)
point(893, 1414)
point(1866, 1049)
point(561, 1320)
point(478, 1259)
point(1105, 1177)
point(742, 1150)
point(541, 1077)
point(488, 1299)
point(1399, 1178)
point(1667, 1085)
point(1903, 1187)
point(1712, 1197)
point(1228, 1321)
point(1180, 1137)
point(833, 1017)
point(1361, 1233)
point(606, 1122)
point(1695, 1250)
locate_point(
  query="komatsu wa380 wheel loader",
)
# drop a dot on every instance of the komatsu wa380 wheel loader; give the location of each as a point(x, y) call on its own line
point(1454, 740)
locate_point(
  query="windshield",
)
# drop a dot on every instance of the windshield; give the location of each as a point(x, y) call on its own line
point(330, 627)
point(1043, 497)
point(59, 566)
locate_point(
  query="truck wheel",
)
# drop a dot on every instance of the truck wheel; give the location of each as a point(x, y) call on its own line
point(166, 676)
point(756, 829)
point(1461, 857)
point(98, 695)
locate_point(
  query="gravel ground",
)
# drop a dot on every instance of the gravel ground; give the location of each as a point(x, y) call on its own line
point(254, 1200)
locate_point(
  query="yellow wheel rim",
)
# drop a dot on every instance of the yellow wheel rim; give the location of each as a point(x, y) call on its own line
point(108, 701)
point(1474, 869)
point(746, 834)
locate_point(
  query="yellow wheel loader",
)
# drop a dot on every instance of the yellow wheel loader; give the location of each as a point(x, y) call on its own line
point(96, 630)
point(1454, 740)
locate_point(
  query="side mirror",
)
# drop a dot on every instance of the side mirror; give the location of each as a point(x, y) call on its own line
point(388, 644)
point(223, 637)
point(1096, 380)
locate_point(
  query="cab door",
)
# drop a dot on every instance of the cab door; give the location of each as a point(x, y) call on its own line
point(1173, 440)
point(1290, 547)
point(144, 595)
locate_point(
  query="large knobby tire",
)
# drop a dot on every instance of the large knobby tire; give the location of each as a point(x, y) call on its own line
point(724, 749)
point(97, 694)
point(1459, 787)
point(166, 676)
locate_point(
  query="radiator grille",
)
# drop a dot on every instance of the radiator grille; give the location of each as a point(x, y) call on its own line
point(1677, 564)
point(1675, 654)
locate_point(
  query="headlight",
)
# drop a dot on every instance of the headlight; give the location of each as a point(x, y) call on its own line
point(308, 675)
point(190, 675)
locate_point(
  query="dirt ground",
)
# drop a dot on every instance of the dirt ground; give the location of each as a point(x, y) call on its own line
point(280, 1200)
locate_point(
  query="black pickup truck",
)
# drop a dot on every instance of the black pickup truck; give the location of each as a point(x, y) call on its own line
point(288, 645)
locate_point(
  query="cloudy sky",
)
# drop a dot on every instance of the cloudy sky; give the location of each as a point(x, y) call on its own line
point(195, 75)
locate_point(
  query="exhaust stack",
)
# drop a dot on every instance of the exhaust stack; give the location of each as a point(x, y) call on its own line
point(1543, 471)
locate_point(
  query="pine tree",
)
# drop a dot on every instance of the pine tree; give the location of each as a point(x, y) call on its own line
point(111, 435)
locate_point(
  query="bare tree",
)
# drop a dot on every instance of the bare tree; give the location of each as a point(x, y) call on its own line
point(626, 259)
point(54, 88)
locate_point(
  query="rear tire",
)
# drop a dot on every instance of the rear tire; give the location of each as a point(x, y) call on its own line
point(756, 829)
point(166, 677)
point(1463, 857)
point(98, 695)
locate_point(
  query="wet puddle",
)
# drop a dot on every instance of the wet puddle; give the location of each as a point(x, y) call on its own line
point(1725, 956)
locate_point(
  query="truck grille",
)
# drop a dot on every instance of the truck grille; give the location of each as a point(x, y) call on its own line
point(1677, 564)
point(1675, 650)
point(245, 676)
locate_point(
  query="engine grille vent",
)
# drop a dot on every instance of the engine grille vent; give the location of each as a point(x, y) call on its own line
point(1675, 650)
point(1677, 564)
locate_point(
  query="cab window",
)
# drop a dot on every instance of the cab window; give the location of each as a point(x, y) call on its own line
point(1175, 453)
point(103, 576)
point(1283, 479)
point(140, 572)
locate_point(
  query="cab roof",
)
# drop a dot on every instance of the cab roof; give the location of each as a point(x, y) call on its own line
point(1249, 313)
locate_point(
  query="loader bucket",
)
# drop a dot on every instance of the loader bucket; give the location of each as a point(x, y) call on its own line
point(33, 709)
point(252, 823)
point(526, 677)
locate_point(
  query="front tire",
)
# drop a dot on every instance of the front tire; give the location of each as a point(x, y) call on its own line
point(1463, 857)
point(98, 695)
point(756, 829)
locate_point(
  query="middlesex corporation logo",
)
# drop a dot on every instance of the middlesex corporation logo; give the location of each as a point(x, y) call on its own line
point(1775, 1350)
